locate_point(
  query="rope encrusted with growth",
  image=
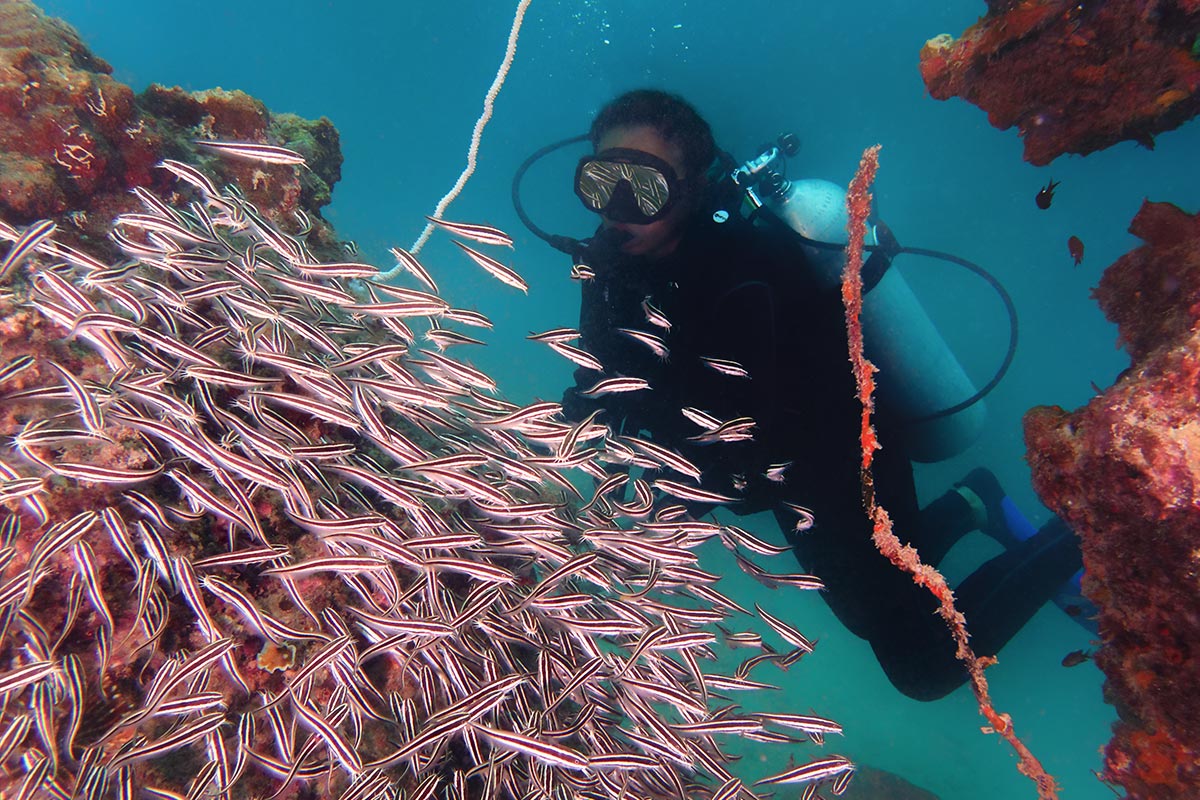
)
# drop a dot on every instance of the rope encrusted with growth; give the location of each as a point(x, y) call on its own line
point(905, 557)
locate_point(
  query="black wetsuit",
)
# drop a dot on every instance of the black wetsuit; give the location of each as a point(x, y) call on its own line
point(743, 293)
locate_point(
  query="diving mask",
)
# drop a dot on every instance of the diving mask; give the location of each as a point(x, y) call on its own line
point(627, 185)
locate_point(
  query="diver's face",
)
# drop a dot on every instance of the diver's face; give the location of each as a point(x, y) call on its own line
point(659, 238)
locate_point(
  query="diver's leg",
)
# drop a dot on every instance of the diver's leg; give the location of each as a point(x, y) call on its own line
point(916, 649)
point(996, 514)
point(879, 602)
point(941, 524)
point(875, 600)
point(932, 530)
point(1001, 519)
point(1003, 594)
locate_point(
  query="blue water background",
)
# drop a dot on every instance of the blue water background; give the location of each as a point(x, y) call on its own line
point(404, 84)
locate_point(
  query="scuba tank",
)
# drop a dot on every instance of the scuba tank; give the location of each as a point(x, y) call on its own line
point(919, 378)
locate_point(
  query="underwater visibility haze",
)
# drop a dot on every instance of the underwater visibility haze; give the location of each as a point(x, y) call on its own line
point(266, 534)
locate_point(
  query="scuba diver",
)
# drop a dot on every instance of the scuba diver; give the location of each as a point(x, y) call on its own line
point(742, 324)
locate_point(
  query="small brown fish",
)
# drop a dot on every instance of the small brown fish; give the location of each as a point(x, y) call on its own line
point(1076, 657)
point(1045, 195)
point(1075, 248)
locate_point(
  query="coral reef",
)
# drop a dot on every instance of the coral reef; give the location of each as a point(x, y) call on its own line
point(65, 124)
point(1074, 77)
point(73, 140)
point(1124, 472)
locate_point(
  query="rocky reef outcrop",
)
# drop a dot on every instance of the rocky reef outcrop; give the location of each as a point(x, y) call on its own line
point(1124, 472)
point(74, 140)
point(1074, 77)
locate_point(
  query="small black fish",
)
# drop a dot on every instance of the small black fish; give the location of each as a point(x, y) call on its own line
point(1076, 657)
point(1046, 195)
